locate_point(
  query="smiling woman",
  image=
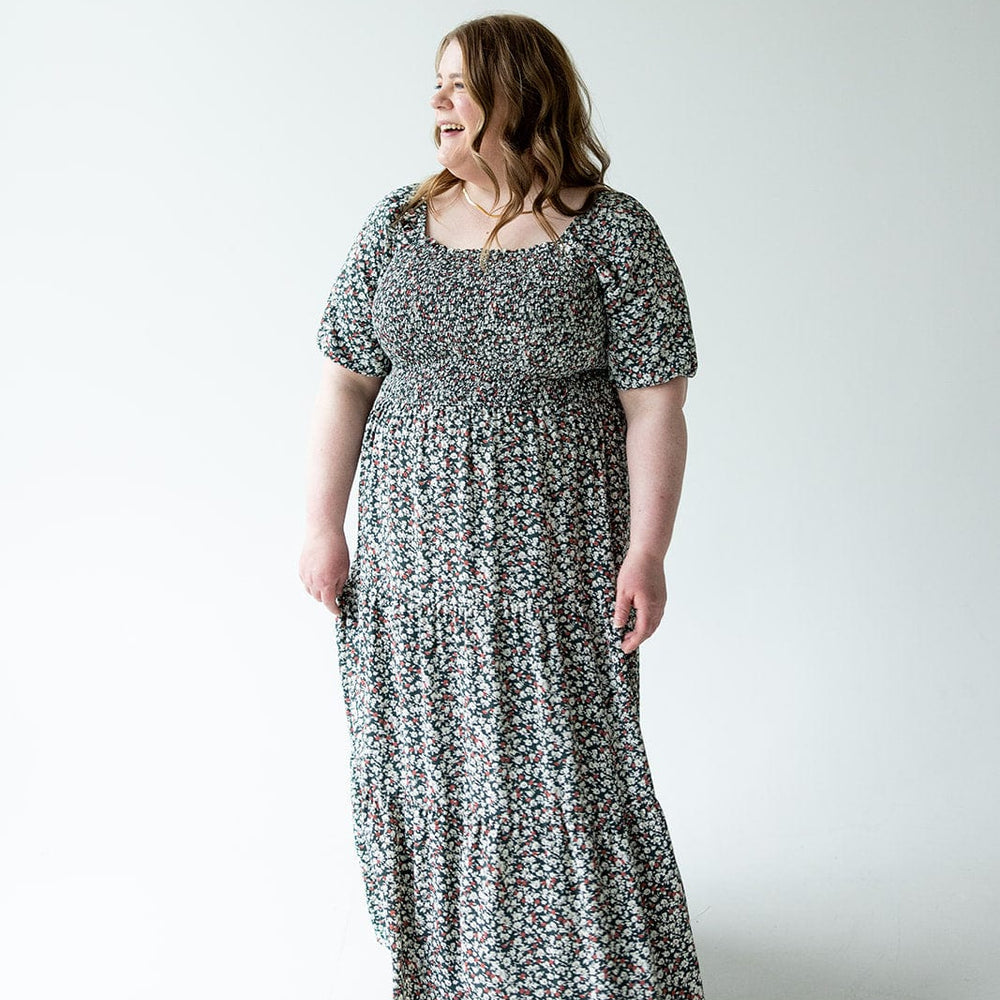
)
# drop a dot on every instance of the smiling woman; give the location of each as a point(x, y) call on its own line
point(458, 113)
point(534, 161)
point(514, 412)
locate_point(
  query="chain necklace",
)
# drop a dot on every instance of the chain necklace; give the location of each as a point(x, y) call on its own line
point(492, 215)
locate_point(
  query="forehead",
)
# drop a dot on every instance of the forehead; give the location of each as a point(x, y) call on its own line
point(451, 59)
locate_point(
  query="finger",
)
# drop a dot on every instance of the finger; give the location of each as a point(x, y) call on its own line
point(312, 589)
point(644, 628)
point(623, 606)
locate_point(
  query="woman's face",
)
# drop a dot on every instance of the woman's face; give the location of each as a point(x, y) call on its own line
point(453, 106)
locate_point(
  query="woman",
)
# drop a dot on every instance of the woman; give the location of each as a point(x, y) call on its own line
point(509, 345)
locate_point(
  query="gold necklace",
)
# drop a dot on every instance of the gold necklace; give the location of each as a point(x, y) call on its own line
point(492, 215)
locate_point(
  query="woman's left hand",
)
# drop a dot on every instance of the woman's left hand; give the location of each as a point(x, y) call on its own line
point(642, 585)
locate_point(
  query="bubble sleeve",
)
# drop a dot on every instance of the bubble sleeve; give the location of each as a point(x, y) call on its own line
point(649, 336)
point(346, 332)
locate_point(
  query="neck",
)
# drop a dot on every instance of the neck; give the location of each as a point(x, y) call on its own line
point(481, 192)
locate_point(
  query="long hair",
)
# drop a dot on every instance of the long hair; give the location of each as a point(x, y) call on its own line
point(547, 137)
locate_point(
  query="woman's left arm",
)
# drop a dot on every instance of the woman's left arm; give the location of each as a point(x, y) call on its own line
point(656, 446)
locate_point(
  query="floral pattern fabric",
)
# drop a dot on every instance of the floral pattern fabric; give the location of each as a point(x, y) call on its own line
point(510, 838)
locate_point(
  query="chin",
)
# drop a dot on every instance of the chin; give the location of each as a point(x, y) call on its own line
point(450, 162)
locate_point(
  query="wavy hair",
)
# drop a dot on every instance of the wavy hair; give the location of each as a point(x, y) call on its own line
point(515, 61)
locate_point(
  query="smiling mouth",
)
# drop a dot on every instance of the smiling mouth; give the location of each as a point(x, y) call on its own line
point(451, 128)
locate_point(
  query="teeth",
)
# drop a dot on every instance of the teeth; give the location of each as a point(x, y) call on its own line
point(451, 127)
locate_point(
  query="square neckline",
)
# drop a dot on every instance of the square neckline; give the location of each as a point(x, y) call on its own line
point(427, 238)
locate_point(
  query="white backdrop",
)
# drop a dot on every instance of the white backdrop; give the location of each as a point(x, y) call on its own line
point(180, 185)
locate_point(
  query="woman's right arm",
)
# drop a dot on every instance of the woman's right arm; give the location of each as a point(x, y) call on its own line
point(340, 412)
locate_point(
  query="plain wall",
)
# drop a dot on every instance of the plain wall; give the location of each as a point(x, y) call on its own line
point(181, 183)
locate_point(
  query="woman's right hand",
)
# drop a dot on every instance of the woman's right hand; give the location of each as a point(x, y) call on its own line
point(323, 567)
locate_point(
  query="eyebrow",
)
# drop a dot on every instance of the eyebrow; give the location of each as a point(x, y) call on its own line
point(452, 76)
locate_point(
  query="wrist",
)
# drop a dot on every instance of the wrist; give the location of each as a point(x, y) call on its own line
point(646, 551)
point(325, 528)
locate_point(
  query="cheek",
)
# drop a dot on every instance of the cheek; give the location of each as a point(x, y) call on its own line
point(468, 109)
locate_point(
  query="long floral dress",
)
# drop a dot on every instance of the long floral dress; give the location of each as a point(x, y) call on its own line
point(510, 839)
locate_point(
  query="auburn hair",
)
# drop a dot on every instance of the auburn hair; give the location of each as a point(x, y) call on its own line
point(515, 61)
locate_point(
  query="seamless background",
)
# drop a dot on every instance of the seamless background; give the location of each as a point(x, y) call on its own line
point(180, 185)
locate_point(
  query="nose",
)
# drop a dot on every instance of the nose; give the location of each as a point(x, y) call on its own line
point(438, 100)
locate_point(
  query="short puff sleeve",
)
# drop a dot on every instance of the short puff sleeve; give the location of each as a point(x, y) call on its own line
point(649, 337)
point(346, 332)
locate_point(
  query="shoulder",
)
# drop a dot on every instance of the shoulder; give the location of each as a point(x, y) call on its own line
point(395, 199)
point(381, 227)
point(622, 232)
point(623, 242)
point(623, 212)
point(388, 207)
